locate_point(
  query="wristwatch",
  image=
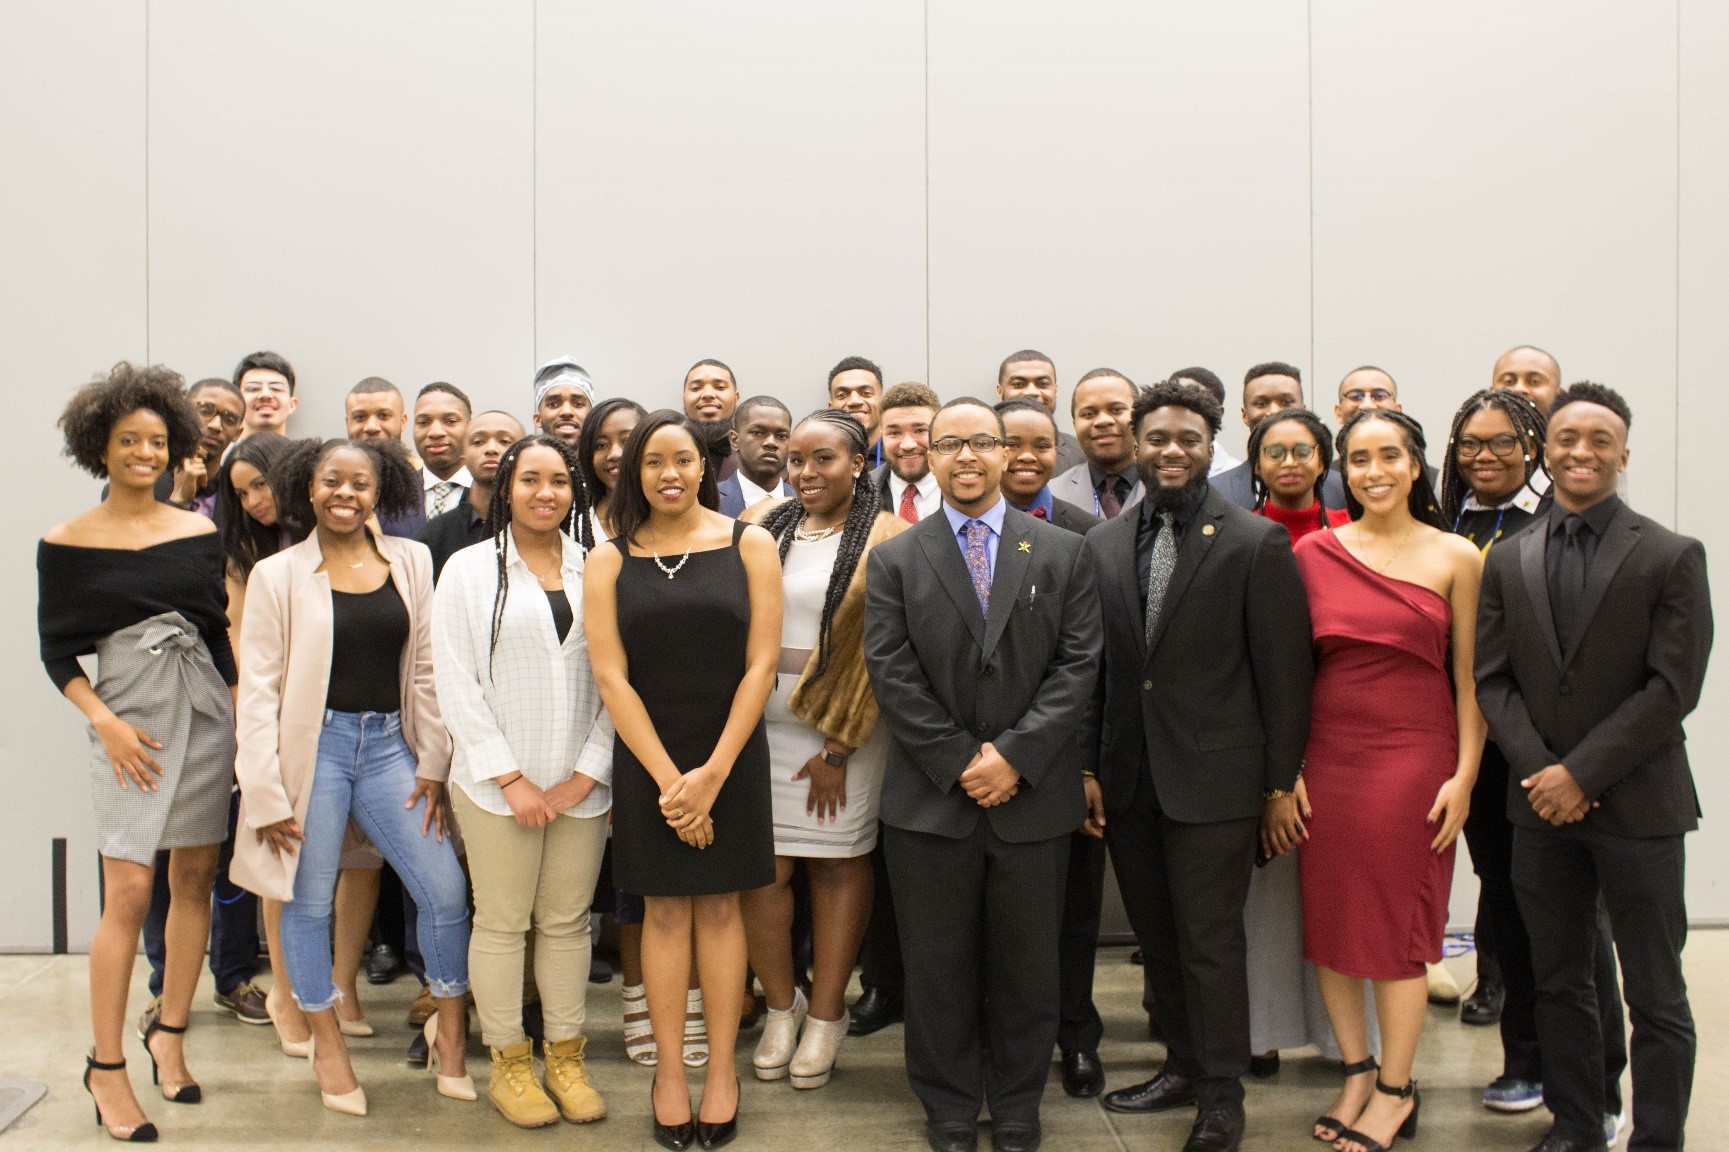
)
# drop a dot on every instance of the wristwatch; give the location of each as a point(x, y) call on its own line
point(833, 759)
point(1275, 794)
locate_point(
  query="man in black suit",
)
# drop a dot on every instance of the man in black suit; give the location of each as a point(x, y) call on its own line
point(982, 638)
point(1030, 438)
point(1592, 640)
point(761, 428)
point(1269, 388)
point(1204, 716)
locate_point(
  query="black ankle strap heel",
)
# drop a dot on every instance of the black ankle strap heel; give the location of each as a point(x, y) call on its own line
point(145, 1133)
point(183, 1093)
point(1337, 1125)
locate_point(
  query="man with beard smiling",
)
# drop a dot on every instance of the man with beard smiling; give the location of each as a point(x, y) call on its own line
point(982, 639)
point(563, 395)
point(1204, 710)
point(710, 399)
point(1106, 483)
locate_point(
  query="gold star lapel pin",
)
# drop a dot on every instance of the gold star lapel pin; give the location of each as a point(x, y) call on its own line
point(1026, 546)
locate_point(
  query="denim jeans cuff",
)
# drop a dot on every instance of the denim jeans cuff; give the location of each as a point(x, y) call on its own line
point(443, 991)
point(335, 999)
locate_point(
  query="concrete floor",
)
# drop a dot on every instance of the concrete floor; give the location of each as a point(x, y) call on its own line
point(257, 1099)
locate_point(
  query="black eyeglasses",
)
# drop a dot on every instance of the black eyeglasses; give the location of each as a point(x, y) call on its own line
point(1378, 395)
point(1298, 452)
point(206, 411)
point(983, 442)
point(1506, 444)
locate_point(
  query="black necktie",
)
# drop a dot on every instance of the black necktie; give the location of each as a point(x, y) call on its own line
point(1569, 581)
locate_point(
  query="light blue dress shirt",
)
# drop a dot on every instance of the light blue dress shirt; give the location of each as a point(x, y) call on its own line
point(992, 519)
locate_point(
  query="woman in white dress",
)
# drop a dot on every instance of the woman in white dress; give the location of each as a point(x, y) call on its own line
point(826, 753)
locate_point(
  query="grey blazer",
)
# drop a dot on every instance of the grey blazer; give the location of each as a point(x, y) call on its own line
point(1076, 486)
point(948, 679)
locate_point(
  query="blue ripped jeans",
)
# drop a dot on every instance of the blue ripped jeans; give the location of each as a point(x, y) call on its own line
point(365, 770)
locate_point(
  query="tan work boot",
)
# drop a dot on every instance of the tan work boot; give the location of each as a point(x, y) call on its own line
point(515, 1092)
point(567, 1081)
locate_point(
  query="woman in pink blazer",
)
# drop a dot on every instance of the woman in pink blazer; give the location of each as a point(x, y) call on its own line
point(339, 721)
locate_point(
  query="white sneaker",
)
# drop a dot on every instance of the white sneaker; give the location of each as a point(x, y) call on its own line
point(780, 1028)
point(1614, 1124)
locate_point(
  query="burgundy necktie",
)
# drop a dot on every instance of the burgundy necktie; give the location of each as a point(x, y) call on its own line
point(908, 510)
point(1039, 511)
point(1109, 502)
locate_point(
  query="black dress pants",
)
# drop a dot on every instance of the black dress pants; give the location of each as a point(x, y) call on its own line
point(1184, 887)
point(1489, 834)
point(1559, 873)
point(880, 952)
point(1081, 1029)
point(980, 919)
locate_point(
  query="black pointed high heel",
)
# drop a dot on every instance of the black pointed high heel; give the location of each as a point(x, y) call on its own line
point(1407, 1128)
point(672, 1137)
point(1338, 1126)
point(721, 1132)
point(145, 1133)
point(183, 1093)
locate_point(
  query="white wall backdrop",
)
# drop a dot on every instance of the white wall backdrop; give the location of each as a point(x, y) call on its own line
point(457, 191)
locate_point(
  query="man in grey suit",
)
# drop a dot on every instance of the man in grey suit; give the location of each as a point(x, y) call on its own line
point(1269, 388)
point(1105, 482)
point(1592, 639)
point(982, 636)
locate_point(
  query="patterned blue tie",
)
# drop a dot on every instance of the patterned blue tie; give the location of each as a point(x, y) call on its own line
point(979, 562)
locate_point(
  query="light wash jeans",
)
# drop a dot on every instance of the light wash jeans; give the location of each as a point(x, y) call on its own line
point(366, 771)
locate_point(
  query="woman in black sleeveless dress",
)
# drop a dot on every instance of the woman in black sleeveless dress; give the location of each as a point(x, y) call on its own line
point(683, 610)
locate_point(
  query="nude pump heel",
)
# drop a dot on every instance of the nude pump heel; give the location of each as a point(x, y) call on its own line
point(454, 1087)
point(347, 1103)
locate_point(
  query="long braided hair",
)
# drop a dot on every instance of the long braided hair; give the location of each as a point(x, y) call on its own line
point(1323, 447)
point(1423, 505)
point(592, 484)
point(498, 516)
point(783, 522)
point(1529, 424)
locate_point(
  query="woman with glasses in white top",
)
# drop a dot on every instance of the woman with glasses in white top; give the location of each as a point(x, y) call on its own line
point(531, 773)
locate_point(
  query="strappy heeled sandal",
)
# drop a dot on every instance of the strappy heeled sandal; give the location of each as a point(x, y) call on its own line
point(1407, 1128)
point(144, 1133)
point(1337, 1125)
point(188, 1093)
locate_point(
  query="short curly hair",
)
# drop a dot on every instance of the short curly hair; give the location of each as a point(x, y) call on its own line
point(290, 478)
point(1591, 392)
point(1181, 394)
point(94, 409)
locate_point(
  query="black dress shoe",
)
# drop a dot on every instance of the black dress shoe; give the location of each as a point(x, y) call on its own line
point(1083, 1075)
point(1216, 1130)
point(417, 1051)
point(1555, 1142)
point(719, 1133)
point(672, 1137)
point(952, 1135)
point(1015, 1135)
point(874, 1011)
point(1484, 1006)
point(599, 970)
point(1264, 1067)
point(1163, 1092)
point(1137, 957)
point(383, 966)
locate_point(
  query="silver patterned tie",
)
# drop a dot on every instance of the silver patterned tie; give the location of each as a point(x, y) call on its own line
point(1159, 571)
point(441, 497)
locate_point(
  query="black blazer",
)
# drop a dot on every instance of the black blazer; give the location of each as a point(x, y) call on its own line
point(1235, 485)
point(947, 679)
point(1217, 711)
point(1077, 520)
point(1611, 708)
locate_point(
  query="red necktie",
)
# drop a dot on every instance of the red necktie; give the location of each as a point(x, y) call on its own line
point(1039, 511)
point(908, 510)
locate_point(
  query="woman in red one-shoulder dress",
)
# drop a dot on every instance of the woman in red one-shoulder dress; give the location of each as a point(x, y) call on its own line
point(1392, 755)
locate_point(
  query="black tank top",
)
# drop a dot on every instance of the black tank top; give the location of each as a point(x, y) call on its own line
point(370, 629)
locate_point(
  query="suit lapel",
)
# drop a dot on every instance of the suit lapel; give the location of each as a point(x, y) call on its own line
point(1199, 537)
point(1616, 545)
point(1014, 557)
point(1536, 573)
point(944, 553)
point(1123, 576)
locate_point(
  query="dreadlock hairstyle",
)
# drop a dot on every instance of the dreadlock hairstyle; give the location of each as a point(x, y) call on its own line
point(1424, 507)
point(594, 489)
point(629, 504)
point(244, 539)
point(290, 479)
point(498, 514)
point(783, 522)
point(1323, 445)
point(1530, 425)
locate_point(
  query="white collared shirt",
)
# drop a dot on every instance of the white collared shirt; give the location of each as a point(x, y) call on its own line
point(537, 711)
point(429, 480)
point(927, 497)
point(754, 495)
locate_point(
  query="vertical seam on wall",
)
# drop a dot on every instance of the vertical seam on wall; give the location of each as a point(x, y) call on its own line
point(1675, 493)
point(1309, 84)
point(533, 185)
point(927, 192)
point(147, 356)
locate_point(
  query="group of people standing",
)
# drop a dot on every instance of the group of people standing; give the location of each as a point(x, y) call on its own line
point(890, 683)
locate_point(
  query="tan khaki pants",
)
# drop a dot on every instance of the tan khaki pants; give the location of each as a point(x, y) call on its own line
point(539, 878)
